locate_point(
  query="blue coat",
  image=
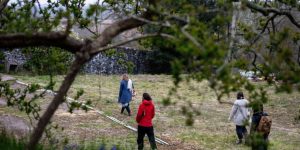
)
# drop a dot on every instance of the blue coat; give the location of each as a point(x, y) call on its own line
point(125, 94)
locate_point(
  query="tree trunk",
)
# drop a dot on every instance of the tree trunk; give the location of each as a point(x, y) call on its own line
point(58, 99)
point(235, 16)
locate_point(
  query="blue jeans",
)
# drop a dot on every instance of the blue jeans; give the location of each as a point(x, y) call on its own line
point(241, 131)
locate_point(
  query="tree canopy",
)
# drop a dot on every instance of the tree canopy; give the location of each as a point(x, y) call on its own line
point(210, 39)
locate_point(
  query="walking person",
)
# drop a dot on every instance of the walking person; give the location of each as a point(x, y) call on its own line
point(125, 93)
point(239, 114)
point(144, 118)
point(260, 128)
point(257, 113)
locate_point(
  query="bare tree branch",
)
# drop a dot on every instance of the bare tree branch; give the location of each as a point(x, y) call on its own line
point(3, 4)
point(190, 37)
point(132, 39)
point(69, 20)
point(267, 11)
point(254, 61)
point(263, 30)
point(56, 39)
point(91, 31)
point(116, 28)
point(152, 22)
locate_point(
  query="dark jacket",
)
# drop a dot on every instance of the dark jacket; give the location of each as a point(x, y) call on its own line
point(125, 94)
point(145, 113)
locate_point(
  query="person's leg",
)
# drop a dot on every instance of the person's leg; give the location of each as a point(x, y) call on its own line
point(254, 123)
point(140, 138)
point(239, 132)
point(122, 110)
point(151, 137)
point(245, 133)
point(266, 140)
point(128, 110)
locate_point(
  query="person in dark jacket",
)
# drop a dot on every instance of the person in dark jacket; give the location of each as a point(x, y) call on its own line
point(144, 118)
point(258, 143)
point(125, 93)
point(258, 110)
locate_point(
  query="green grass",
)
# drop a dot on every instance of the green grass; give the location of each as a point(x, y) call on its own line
point(211, 129)
point(10, 143)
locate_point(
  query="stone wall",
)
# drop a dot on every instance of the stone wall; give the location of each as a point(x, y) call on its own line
point(14, 60)
point(105, 63)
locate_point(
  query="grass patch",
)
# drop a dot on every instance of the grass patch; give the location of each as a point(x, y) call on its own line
point(210, 131)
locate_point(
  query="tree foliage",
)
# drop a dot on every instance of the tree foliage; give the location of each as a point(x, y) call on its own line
point(51, 60)
point(208, 37)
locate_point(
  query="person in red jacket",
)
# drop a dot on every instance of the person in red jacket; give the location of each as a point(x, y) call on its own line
point(144, 118)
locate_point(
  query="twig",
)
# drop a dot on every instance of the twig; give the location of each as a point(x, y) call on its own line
point(132, 39)
point(263, 30)
point(3, 4)
point(151, 22)
point(254, 61)
point(299, 56)
point(190, 37)
point(267, 11)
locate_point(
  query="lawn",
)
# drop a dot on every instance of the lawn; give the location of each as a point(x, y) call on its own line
point(211, 130)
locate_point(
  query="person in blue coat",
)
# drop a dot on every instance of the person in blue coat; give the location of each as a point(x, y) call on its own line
point(125, 93)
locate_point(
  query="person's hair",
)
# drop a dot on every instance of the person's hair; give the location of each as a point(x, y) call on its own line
point(147, 97)
point(240, 95)
point(125, 76)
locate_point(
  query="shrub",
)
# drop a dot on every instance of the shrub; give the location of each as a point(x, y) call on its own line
point(47, 60)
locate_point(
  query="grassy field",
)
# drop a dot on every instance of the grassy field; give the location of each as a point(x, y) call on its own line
point(211, 129)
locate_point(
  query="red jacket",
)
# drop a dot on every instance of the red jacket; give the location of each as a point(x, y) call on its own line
point(145, 113)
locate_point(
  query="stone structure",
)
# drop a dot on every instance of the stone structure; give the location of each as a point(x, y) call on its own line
point(102, 63)
point(14, 60)
point(105, 63)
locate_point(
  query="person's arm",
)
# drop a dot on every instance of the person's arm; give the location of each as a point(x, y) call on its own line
point(139, 115)
point(153, 111)
point(132, 85)
point(133, 91)
point(233, 111)
point(249, 109)
point(120, 91)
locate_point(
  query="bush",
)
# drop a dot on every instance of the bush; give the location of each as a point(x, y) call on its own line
point(47, 60)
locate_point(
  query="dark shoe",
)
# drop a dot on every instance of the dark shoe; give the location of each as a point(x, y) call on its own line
point(238, 142)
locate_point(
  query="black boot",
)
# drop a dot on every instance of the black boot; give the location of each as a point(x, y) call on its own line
point(122, 110)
